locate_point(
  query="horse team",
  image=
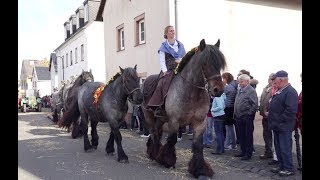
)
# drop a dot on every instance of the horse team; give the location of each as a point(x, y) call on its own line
point(187, 102)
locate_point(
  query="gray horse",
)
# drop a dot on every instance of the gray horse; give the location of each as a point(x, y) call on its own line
point(187, 102)
point(99, 102)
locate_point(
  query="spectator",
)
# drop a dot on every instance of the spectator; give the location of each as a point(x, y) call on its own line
point(245, 107)
point(282, 119)
point(217, 111)
point(253, 82)
point(231, 91)
point(207, 135)
point(263, 109)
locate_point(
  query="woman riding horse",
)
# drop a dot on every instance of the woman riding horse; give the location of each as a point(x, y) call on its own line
point(187, 102)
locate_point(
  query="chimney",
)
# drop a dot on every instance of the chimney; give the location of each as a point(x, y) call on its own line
point(66, 30)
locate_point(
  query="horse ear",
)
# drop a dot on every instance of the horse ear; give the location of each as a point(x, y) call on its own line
point(121, 69)
point(90, 71)
point(82, 70)
point(202, 44)
point(135, 67)
point(218, 43)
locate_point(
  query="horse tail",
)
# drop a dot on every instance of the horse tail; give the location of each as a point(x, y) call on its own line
point(71, 115)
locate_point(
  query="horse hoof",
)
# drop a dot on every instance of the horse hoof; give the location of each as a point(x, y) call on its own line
point(124, 161)
point(89, 150)
point(110, 154)
point(203, 178)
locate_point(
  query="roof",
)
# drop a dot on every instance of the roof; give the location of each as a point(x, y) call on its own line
point(42, 73)
point(100, 11)
point(53, 59)
point(27, 67)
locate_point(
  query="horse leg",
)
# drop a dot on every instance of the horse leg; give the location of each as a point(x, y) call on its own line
point(94, 134)
point(197, 165)
point(154, 141)
point(167, 153)
point(84, 126)
point(110, 145)
point(76, 130)
point(122, 157)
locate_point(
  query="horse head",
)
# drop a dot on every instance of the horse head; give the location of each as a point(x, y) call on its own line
point(87, 76)
point(131, 84)
point(214, 62)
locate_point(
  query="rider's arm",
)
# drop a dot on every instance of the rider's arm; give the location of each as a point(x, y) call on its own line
point(162, 61)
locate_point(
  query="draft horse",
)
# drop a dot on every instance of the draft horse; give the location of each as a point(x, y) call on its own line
point(99, 102)
point(187, 102)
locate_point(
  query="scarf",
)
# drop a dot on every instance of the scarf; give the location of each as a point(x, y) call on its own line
point(167, 49)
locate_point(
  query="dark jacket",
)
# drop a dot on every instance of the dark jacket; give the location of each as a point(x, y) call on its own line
point(231, 91)
point(264, 100)
point(246, 102)
point(283, 109)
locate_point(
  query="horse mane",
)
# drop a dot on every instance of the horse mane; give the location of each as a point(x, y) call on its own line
point(113, 78)
point(185, 59)
point(215, 54)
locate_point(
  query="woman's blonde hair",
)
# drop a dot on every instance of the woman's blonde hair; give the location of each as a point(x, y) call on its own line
point(166, 31)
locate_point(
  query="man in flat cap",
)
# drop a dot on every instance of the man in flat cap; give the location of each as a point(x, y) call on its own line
point(282, 118)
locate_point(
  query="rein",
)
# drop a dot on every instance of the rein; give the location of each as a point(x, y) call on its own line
point(126, 88)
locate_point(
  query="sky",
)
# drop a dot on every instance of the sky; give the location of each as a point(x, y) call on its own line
point(40, 27)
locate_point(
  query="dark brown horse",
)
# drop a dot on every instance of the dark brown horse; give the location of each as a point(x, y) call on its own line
point(187, 102)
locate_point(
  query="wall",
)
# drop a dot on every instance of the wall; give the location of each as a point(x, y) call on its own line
point(95, 51)
point(117, 12)
point(265, 39)
point(44, 87)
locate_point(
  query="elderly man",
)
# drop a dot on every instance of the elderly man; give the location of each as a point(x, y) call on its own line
point(266, 94)
point(282, 118)
point(245, 107)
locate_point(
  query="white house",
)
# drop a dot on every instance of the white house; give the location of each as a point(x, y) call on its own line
point(41, 81)
point(259, 36)
point(83, 48)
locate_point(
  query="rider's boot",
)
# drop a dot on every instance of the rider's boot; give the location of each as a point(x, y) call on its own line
point(160, 111)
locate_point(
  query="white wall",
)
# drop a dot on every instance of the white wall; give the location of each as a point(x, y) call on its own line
point(44, 88)
point(76, 68)
point(201, 19)
point(146, 55)
point(95, 51)
point(265, 39)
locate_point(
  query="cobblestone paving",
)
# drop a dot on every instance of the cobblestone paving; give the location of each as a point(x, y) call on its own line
point(48, 138)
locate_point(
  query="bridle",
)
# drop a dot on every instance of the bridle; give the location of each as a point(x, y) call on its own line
point(216, 76)
point(126, 88)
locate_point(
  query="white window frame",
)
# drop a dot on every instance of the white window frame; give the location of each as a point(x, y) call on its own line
point(76, 55)
point(141, 32)
point(121, 34)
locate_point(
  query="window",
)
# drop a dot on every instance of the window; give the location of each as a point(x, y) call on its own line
point(82, 53)
point(71, 58)
point(120, 37)
point(76, 55)
point(140, 33)
point(62, 62)
point(67, 63)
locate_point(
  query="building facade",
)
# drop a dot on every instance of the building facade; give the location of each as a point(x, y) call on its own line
point(259, 36)
point(83, 48)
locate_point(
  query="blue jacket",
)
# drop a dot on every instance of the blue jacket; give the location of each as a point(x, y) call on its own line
point(283, 108)
point(218, 105)
point(231, 91)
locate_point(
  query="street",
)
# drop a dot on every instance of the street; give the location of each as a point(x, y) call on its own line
point(48, 152)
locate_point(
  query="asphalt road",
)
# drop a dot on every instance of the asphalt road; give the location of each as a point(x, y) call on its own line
point(48, 152)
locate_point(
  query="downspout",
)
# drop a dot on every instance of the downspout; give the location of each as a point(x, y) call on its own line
point(176, 17)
